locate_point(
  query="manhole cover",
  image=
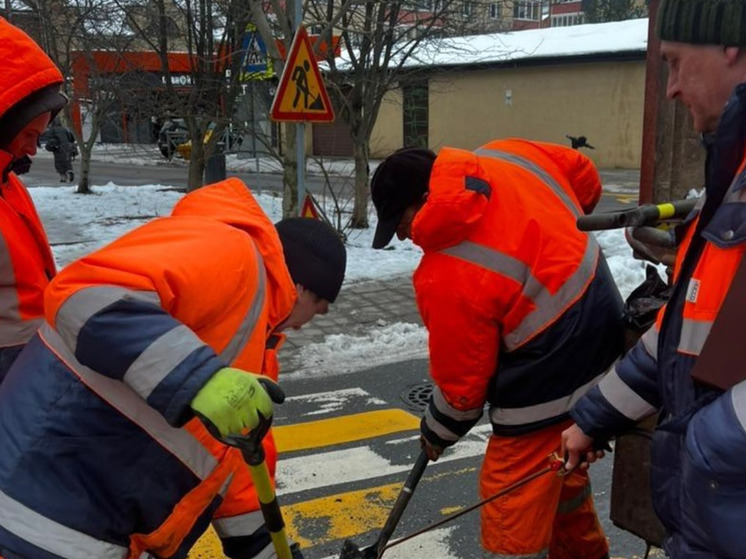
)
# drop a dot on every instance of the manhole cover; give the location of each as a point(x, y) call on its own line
point(417, 396)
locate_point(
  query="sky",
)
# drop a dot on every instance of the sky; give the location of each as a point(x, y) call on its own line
point(78, 224)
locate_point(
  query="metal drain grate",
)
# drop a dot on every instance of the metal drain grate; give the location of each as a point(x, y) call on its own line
point(417, 396)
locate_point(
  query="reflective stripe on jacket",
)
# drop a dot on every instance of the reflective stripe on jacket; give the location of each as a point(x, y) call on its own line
point(26, 262)
point(99, 436)
point(698, 475)
point(520, 306)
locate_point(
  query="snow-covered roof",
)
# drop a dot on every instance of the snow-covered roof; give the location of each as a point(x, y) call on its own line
point(630, 36)
point(576, 40)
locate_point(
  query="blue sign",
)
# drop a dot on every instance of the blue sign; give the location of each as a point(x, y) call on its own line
point(256, 63)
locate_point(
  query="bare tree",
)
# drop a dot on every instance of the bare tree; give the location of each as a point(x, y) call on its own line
point(73, 34)
point(379, 41)
point(210, 33)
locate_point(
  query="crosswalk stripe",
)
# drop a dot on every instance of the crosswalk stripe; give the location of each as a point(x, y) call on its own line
point(328, 469)
point(343, 515)
point(345, 429)
point(347, 514)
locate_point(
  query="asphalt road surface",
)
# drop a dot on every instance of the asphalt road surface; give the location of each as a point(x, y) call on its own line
point(348, 442)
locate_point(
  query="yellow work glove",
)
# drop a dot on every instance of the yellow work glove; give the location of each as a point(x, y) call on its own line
point(235, 401)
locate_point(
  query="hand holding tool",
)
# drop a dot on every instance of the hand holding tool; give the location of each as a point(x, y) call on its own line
point(252, 451)
point(233, 400)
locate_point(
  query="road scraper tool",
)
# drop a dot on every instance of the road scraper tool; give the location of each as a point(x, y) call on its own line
point(351, 551)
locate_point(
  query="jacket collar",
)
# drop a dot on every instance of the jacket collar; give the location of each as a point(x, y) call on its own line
point(6, 164)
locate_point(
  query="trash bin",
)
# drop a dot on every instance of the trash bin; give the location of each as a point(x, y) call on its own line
point(215, 166)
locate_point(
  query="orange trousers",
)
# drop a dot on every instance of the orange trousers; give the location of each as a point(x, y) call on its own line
point(551, 516)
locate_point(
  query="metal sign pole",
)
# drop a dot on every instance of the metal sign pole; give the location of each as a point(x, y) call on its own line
point(300, 130)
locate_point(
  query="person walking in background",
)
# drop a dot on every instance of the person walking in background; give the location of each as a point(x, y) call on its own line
point(521, 311)
point(29, 97)
point(61, 142)
point(698, 474)
point(102, 453)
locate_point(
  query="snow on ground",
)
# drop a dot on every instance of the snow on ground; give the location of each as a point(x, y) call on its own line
point(113, 210)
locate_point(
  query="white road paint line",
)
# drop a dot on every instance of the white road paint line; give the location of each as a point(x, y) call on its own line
point(337, 467)
point(430, 544)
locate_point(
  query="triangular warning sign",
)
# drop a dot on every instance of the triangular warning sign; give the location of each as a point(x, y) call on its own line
point(301, 95)
point(308, 209)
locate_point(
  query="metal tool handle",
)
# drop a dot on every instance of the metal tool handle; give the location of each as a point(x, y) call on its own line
point(401, 502)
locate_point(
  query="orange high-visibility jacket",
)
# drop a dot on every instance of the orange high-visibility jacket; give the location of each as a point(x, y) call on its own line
point(26, 263)
point(520, 307)
point(102, 448)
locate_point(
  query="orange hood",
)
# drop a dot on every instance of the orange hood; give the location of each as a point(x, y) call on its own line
point(453, 207)
point(231, 202)
point(26, 67)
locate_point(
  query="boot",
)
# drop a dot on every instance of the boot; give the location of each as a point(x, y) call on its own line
point(70, 176)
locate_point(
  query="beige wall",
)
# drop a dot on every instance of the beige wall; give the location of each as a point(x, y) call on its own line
point(602, 101)
point(388, 133)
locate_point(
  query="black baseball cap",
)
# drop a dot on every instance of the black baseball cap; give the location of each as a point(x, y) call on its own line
point(398, 182)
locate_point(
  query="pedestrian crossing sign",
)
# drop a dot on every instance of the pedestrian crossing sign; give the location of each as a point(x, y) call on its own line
point(301, 95)
point(256, 63)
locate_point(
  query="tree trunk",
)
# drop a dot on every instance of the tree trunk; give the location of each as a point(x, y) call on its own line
point(290, 174)
point(84, 180)
point(360, 152)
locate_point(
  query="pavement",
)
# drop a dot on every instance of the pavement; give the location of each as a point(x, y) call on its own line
point(360, 306)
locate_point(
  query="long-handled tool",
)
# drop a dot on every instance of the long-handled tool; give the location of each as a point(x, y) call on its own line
point(252, 451)
point(556, 464)
point(352, 551)
point(647, 214)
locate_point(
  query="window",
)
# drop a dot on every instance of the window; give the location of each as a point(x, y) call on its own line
point(567, 20)
point(466, 8)
point(526, 9)
point(494, 11)
point(415, 113)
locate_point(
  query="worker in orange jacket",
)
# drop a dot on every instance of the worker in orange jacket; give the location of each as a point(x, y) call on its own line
point(29, 98)
point(102, 453)
point(522, 313)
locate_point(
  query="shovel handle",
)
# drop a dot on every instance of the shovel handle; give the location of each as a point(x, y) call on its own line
point(401, 502)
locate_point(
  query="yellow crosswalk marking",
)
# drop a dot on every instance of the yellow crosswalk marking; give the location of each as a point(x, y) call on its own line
point(207, 547)
point(345, 429)
point(343, 513)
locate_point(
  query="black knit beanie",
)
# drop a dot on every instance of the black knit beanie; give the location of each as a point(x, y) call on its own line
point(314, 254)
point(706, 22)
point(48, 99)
